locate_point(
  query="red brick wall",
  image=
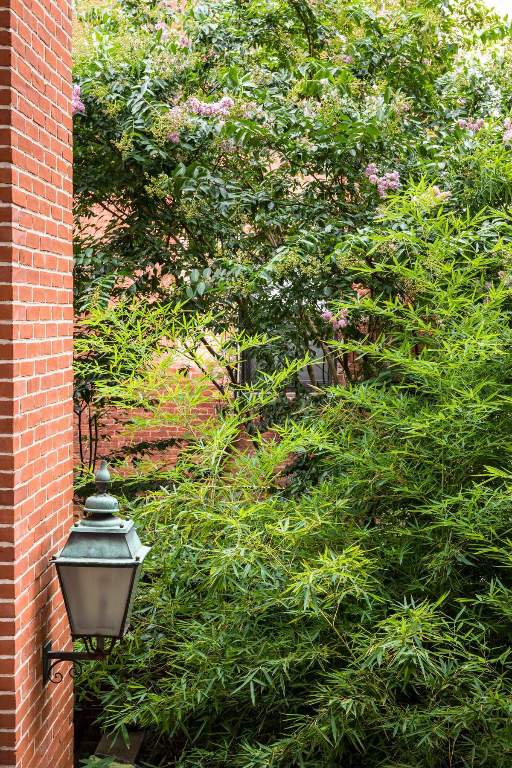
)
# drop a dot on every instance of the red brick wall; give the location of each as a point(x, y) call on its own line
point(119, 441)
point(35, 374)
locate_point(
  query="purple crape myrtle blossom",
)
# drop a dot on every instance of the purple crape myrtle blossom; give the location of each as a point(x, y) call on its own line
point(184, 42)
point(341, 321)
point(471, 125)
point(507, 135)
point(175, 123)
point(162, 26)
point(384, 183)
point(337, 321)
point(206, 109)
point(77, 105)
point(388, 181)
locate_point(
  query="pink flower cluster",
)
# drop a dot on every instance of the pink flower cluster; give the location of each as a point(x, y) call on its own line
point(361, 290)
point(347, 59)
point(175, 117)
point(383, 183)
point(162, 26)
point(203, 108)
point(337, 321)
point(507, 135)
point(77, 105)
point(471, 125)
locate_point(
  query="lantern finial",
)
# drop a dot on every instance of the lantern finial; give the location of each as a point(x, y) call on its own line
point(102, 478)
point(101, 506)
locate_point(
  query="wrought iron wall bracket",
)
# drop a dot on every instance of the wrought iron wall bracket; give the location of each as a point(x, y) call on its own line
point(52, 658)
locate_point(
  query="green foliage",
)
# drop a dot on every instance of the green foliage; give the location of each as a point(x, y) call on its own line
point(335, 590)
point(237, 213)
point(135, 358)
point(341, 594)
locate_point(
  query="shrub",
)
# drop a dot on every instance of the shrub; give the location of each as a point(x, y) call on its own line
point(342, 594)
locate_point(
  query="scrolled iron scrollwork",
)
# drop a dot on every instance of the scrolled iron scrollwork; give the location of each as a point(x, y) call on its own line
point(52, 658)
point(56, 676)
point(53, 676)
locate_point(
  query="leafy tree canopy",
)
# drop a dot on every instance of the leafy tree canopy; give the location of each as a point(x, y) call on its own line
point(221, 148)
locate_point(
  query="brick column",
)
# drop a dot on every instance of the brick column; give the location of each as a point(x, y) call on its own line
point(35, 373)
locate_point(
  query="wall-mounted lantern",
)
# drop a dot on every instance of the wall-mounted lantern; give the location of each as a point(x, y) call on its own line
point(98, 568)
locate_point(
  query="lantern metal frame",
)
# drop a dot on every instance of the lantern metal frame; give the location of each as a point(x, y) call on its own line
point(100, 540)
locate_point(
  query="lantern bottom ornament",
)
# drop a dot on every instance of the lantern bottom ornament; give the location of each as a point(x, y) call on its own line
point(99, 570)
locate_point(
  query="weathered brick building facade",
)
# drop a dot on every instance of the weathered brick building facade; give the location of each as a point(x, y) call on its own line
point(35, 373)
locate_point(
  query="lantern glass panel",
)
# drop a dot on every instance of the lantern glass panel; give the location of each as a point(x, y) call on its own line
point(97, 598)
